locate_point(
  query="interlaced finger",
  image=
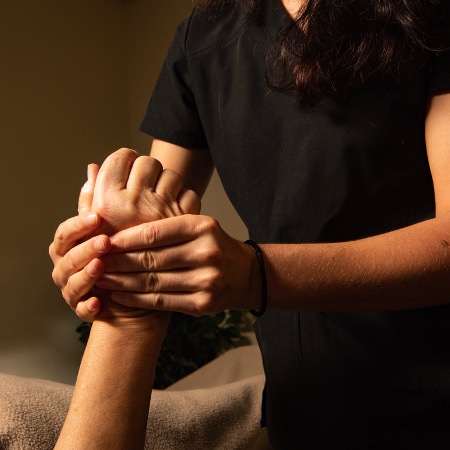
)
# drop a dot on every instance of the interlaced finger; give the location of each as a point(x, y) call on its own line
point(194, 304)
point(174, 257)
point(81, 283)
point(78, 257)
point(70, 232)
point(162, 233)
point(169, 281)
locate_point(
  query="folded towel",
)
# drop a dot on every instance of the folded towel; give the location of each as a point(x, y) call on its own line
point(216, 407)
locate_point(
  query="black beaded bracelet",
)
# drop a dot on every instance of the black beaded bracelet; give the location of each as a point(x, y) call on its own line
point(262, 268)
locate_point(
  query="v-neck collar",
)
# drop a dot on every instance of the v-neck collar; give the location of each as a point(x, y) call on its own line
point(274, 15)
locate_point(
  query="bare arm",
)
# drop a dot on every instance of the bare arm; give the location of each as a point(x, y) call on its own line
point(109, 408)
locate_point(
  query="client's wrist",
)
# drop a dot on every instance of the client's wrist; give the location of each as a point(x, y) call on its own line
point(132, 320)
point(135, 323)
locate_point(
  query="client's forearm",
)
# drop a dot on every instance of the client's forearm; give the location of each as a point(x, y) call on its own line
point(109, 408)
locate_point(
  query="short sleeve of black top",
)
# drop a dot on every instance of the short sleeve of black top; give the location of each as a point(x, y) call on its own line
point(341, 169)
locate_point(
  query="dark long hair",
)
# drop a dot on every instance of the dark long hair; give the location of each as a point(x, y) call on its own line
point(339, 45)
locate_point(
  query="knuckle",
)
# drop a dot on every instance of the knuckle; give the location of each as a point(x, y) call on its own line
point(51, 251)
point(209, 225)
point(71, 266)
point(151, 282)
point(189, 202)
point(147, 260)
point(123, 153)
point(66, 231)
point(117, 158)
point(60, 235)
point(204, 305)
point(158, 301)
point(155, 164)
point(56, 278)
point(209, 255)
point(70, 296)
point(210, 281)
point(120, 242)
point(150, 235)
point(215, 280)
point(196, 309)
point(68, 293)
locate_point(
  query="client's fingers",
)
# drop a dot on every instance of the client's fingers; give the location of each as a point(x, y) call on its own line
point(70, 232)
point(189, 202)
point(80, 284)
point(169, 186)
point(113, 174)
point(144, 174)
point(87, 191)
point(78, 257)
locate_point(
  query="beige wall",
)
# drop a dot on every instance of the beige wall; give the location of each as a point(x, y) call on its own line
point(75, 77)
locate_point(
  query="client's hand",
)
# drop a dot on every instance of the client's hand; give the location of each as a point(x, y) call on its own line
point(128, 190)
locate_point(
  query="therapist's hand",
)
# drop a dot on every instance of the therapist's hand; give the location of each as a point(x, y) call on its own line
point(186, 263)
point(126, 191)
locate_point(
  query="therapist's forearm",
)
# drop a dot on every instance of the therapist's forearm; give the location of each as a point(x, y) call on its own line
point(109, 409)
point(404, 269)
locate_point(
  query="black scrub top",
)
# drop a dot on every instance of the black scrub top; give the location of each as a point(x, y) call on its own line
point(340, 169)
